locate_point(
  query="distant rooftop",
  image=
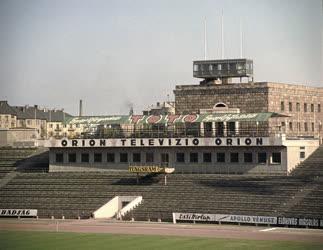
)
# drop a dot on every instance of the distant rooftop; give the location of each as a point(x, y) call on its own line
point(32, 112)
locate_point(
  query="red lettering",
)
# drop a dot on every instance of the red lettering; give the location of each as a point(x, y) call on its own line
point(190, 118)
point(172, 118)
point(154, 118)
point(136, 118)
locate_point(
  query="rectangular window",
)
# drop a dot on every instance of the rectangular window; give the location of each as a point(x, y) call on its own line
point(318, 107)
point(276, 158)
point(282, 106)
point(123, 157)
point(299, 126)
point(290, 107)
point(136, 157)
point(180, 157)
point(312, 107)
point(313, 126)
point(305, 107)
point(85, 157)
point(220, 157)
point(283, 124)
point(149, 157)
point(247, 157)
point(291, 126)
point(234, 157)
point(111, 157)
point(207, 157)
point(164, 159)
point(72, 157)
point(262, 157)
point(194, 157)
point(305, 126)
point(59, 157)
point(298, 107)
point(97, 157)
point(302, 155)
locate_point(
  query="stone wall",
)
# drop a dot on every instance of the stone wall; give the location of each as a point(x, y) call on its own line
point(299, 122)
point(249, 97)
point(260, 97)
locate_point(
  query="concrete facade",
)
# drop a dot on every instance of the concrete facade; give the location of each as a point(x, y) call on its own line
point(279, 159)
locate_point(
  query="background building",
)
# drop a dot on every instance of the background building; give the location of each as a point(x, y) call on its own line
point(164, 108)
point(22, 124)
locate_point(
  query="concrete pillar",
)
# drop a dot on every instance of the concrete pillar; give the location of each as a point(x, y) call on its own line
point(237, 128)
point(225, 129)
point(202, 129)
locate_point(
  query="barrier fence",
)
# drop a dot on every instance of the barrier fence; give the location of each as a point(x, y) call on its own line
point(248, 219)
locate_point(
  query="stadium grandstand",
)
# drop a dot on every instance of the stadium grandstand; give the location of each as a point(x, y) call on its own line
point(232, 153)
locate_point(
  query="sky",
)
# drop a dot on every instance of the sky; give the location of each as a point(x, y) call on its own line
point(116, 53)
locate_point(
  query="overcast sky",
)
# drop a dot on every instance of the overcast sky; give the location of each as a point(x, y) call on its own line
point(114, 53)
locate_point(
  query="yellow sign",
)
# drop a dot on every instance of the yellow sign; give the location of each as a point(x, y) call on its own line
point(146, 169)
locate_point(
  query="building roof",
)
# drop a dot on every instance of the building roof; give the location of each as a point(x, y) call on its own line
point(32, 112)
point(5, 108)
point(26, 112)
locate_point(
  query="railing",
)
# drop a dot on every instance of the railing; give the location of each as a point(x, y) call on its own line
point(178, 133)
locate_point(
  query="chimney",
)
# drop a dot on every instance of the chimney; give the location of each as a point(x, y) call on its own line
point(131, 110)
point(81, 108)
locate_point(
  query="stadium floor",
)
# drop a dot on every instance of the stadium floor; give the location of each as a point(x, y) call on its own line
point(165, 229)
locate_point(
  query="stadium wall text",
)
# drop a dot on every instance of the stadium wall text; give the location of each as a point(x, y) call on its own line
point(267, 220)
point(18, 212)
point(160, 142)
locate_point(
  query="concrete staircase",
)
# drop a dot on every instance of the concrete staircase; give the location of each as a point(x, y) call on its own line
point(312, 166)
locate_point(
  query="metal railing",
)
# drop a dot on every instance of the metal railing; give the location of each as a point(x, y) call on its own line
point(178, 133)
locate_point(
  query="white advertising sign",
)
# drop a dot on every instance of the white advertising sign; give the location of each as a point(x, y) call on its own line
point(193, 217)
point(18, 212)
point(246, 219)
point(159, 142)
point(224, 218)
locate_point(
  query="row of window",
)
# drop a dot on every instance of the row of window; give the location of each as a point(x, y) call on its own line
point(64, 126)
point(307, 126)
point(306, 107)
point(219, 67)
point(193, 157)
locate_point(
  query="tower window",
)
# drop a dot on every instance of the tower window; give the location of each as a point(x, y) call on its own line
point(282, 106)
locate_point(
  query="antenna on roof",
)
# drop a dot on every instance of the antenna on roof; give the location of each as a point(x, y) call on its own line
point(241, 40)
point(205, 40)
point(222, 37)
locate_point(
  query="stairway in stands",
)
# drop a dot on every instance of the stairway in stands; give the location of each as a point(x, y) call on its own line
point(9, 157)
point(312, 166)
point(308, 202)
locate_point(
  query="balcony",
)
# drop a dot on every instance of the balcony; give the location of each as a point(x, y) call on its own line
point(178, 133)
